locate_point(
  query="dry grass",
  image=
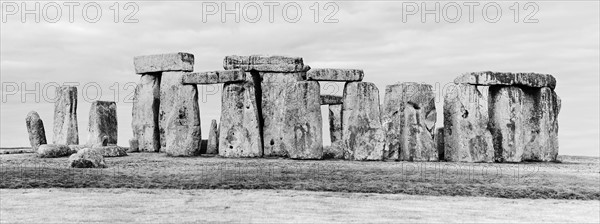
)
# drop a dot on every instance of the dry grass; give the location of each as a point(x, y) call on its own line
point(574, 178)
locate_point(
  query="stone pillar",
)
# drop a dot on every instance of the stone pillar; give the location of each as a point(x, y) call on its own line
point(213, 138)
point(146, 101)
point(102, 123)
point(362, 133)
point(409, 120)
point(336, 150)
point(35, 128)
point(466, 134)
point(439, 141)
point(239, 130)
point(302, 132)
point(65, 116)
point(548, 107)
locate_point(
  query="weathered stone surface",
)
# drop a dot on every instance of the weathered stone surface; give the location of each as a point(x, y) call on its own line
point(408, 120)
point(146, 101)
point(507, 79)
point(362, 133)
point(466, 134)
point(331, 100)
point(102, 122)
point(335, 75)
point(35, 128)
point(53, 151)
point(263, 63)
point(548, 108)
point(134, 145)
point(273, 88)
point(87, 158)
point(215, 77)
point(239, 130)
point(76, 148)
point(179, 116)
point(65, 116)
point(439, 140)
point(303, 131)
point(164, 62)
point(111, 151)
point(213, 139)
point(336, 150)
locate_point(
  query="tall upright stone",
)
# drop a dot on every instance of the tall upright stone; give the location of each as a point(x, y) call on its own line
point(213, 138)
point(146, 101)
point(362, 133)
point(466, 134)
point(439, 141)
point(35, 128)
point(179, 116)
point(239, 128)
point(409, 119)
point(102, 123)
point(548, 107)
point(336, 150)
point(303, 134)
point(65, 116)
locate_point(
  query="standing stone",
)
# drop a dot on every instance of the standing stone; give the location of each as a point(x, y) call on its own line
point(146, 101)
point(466, 134)
point(179, 116)
point(102, 122)
point(409, 120)
point(336, 150)
point(439, 140)
point(547, 111)
point(134, 145)
point(35, 128)
point(239, 130)
point(65, 116)
point(362, 133)
point(303, 134)
point(213, 139)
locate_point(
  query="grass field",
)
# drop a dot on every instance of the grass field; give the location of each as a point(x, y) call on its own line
point(573, 178)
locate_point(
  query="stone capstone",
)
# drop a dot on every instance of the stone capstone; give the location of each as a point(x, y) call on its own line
point(335, 75)
point(302, 134)
point(146, 102)
point(489, 78)
point(102, 123)
point(65, 116)
point(87, 158)
point(215, 77)
point(239, 130)
point(35, 129)
point(331, 100)
point(164, 63)
point(265, 63)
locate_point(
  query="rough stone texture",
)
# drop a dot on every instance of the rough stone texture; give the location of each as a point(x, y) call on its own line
point(53, 151)
point(273, 88)
point(179, 116)
point(409, 120)
point(507, 79)
point(524, 123)
point(213, 139)
point(362, 133)
point(335, 75)
point(65, 116)
point(466, 134)
point(331, 100)
point(102, 122)
point(239, 130)
point(164, 62)
point(111, 151)
point(134, 145)
point(439, 140)
point(303, 131)
point(87, 158)
point(215, 77)
point(76, 148)
point(146, 101)
point(336, 150)
point(35, 128)
point(265, 63)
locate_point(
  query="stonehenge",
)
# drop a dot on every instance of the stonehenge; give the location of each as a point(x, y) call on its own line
point(213, 138)
point(35, 128)
point(144, 122)
point(102, 123)
point(65, 116)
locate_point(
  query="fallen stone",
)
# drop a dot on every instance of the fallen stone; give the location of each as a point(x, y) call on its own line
point(146, 101)
point(87, 158)
point(409, 119)
point(331, 100)
point(133, 145)
point(507, 79)
point(76, 148)
point(362, 133)
point(303, 134)
point(53, 151)
point(179, 116)
point(111, 151)
point(35, 128)
point(102, 123)
point(239, 130)
point(466, 134)
point(213, 139)
point(265, 63)
point(164, 63)
point(439, 140)
point(65, 116)
point(335, 75)
point(215, 77)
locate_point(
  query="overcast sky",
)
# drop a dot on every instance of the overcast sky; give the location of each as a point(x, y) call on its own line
point(368, 35)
